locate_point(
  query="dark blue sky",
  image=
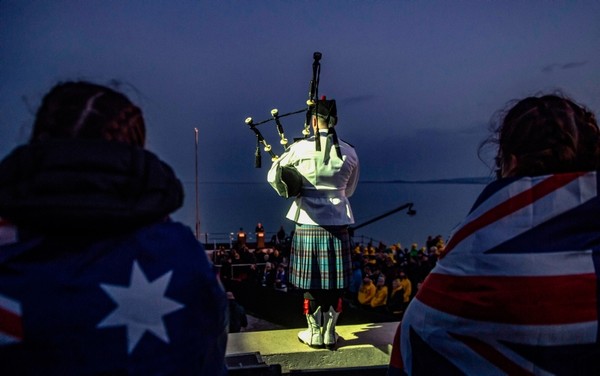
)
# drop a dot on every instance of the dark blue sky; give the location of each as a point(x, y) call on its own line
point(417, 83)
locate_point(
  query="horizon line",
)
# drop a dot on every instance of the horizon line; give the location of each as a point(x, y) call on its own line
point(481, 180)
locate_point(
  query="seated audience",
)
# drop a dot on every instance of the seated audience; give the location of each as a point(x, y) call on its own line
point(379, 299)
point(280, 278)
point(355, 281)
point(268, 275)
point(366, 292)
point(406, 288)
point(396, 303)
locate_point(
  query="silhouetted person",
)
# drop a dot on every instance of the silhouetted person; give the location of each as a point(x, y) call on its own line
point(320, 259)
point(99, 279)
point(516, 288)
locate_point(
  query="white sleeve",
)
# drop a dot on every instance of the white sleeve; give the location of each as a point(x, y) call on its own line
point(274, 174)
point(353, 181)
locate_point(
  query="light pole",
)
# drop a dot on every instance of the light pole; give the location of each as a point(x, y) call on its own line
point(196, 174)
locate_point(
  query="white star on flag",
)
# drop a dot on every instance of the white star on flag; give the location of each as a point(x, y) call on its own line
point(141, 306)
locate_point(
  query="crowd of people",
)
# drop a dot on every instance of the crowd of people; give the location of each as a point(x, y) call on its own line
point(384, 278)
point(261, 266)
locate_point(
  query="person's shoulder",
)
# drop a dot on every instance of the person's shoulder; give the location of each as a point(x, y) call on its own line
point(348, 149)
point(174, 236)
point(168, 228)
point(344, 142)
point(299, 139)
point(302, 141)
point(301, 146)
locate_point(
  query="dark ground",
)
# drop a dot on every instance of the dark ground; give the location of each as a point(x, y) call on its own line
point(269, 309)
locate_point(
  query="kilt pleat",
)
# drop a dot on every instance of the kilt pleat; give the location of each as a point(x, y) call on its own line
point(320, 257)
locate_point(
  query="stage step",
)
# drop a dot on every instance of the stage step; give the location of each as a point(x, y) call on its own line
point(360, 346)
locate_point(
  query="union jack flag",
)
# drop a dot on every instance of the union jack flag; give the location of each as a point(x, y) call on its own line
point(11, 326)
point(517, 289)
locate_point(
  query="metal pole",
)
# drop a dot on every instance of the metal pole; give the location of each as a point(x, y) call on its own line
point(410, 212)
point(197, 203)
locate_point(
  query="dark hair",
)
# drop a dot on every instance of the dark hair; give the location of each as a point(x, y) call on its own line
point(86, 110)
point(546, 134)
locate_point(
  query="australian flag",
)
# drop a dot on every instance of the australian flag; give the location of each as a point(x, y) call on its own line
point(517, 289)
point(145, 303)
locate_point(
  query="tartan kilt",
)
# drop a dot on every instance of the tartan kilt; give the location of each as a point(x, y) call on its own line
point(320, 257)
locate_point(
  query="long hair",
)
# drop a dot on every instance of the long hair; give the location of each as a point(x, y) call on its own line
point(546, 134)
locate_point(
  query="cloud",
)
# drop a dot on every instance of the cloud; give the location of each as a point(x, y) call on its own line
point(348, 101)
point(574, 64)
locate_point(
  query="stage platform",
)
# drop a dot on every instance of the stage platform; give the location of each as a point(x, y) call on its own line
point(365, 347)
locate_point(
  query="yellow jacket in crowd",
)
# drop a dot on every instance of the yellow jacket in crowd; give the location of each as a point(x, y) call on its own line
point(407, 287)
point(366, 292)
point(380, 298)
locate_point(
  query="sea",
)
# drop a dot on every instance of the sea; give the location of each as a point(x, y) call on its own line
point(222, 209)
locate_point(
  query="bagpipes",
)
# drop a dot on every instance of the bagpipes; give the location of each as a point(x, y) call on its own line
point(311, 107)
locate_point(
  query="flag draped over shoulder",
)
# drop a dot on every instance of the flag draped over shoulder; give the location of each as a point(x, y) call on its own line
point(517, 289)
point(145, 303)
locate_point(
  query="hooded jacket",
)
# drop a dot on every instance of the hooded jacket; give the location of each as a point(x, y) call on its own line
point(99, 280)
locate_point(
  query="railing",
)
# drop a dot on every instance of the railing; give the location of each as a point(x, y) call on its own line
point(213, 240)
point(364, 240)
point(237, 269)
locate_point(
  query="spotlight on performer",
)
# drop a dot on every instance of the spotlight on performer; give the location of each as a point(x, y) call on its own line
point(248, 121)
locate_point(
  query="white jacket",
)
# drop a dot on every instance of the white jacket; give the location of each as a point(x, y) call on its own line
point(323, 199)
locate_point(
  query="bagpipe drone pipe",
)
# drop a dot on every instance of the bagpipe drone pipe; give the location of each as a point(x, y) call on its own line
point(311, 107)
